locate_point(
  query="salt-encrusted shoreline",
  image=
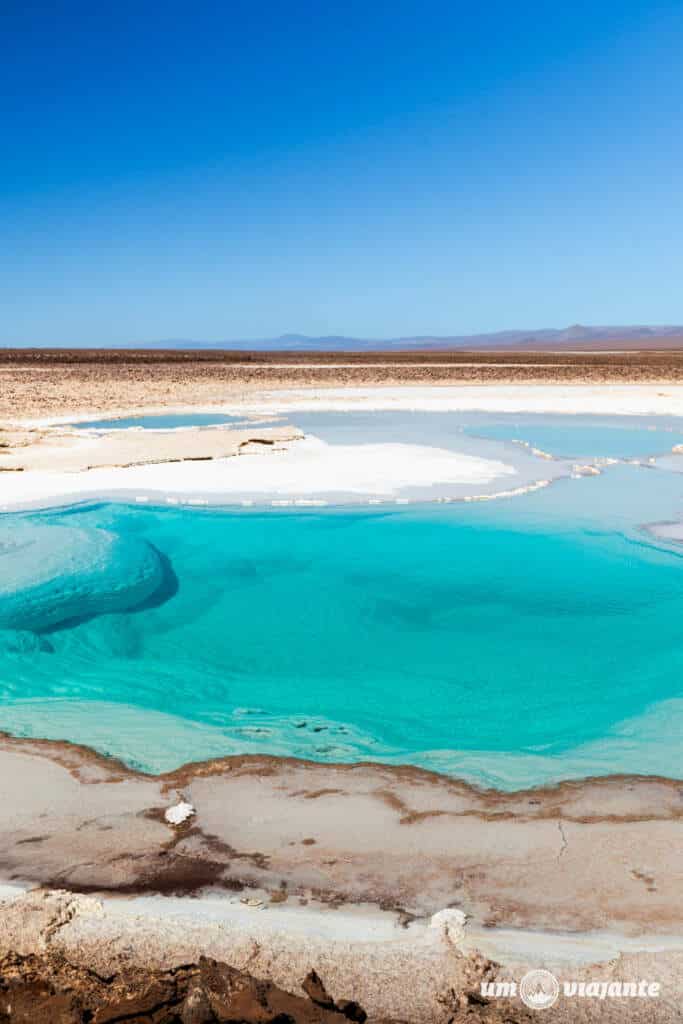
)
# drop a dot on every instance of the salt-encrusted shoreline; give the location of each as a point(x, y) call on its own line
point(173, 463)
point(341, 869)
point(271, 824)
point(567, 399)
point(46, 466)
point(304, 472)
point(305, 469)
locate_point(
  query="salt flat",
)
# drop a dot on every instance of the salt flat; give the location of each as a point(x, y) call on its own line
point(607, 399)
point(302, 468)
point(146, 460)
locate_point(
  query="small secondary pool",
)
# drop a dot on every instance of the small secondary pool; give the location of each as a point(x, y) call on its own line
point(563, 436)
point(162, 421)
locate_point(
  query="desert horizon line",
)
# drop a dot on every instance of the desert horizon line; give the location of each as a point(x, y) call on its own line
point(634, 335)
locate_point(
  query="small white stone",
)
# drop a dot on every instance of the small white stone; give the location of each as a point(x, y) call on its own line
point(452, 922)
point(252, 902)
point(179, 813)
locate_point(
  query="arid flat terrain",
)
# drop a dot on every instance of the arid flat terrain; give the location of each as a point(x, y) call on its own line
point(58, 382)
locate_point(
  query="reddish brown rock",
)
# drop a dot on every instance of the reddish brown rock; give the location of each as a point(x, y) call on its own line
point(49, 990)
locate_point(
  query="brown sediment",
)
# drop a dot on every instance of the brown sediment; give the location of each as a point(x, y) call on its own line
point(321, 792)
point(74, 757)
point(492, 803)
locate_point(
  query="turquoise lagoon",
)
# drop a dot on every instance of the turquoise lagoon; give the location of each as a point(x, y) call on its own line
point(510, 643)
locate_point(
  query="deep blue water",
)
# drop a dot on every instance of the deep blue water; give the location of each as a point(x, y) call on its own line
point(162, 421)
point(504, 642)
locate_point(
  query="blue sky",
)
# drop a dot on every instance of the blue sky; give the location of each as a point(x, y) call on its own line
point(240, 170)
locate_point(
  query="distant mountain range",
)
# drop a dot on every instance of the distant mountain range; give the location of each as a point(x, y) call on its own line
point(577, 336)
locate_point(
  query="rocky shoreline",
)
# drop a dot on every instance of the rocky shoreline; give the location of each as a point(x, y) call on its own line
point(69, 959)
point(50, 989)
point(604, 849)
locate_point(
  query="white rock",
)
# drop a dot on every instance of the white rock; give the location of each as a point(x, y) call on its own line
point(179, 813)
point(452, 922)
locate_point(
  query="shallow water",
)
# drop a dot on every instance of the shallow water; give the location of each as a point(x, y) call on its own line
point(571, 437)
point(162, 421)
point(509, 643)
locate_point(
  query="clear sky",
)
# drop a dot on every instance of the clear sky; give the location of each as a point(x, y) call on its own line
point(243, 169)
